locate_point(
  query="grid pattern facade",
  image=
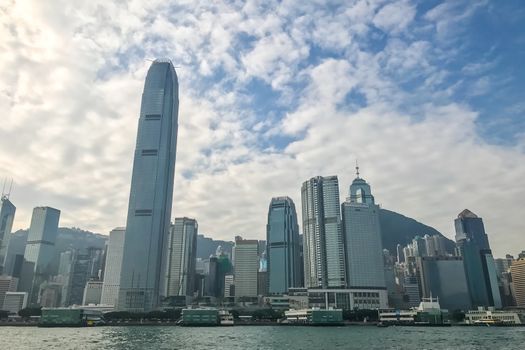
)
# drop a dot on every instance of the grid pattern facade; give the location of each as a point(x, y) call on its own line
point(182, 255)
point(323, 249)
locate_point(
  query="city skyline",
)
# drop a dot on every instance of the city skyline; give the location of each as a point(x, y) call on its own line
point(249, 120)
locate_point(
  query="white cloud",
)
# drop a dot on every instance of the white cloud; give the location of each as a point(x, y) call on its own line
point(72, 75)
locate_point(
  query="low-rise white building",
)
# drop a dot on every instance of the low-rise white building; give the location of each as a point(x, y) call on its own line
point(14, 301)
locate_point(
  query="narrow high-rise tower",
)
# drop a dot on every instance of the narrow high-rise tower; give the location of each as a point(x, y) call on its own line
point(182, 257)
point(480, 268)
point(40, 251)
point(323, 250)
point(282, 246)
point(149, 212)
point(7, 215)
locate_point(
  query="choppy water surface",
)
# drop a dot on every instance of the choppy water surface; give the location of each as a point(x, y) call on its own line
point(264, 337)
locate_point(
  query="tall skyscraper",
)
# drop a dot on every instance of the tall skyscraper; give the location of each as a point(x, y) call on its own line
point(40, 250)
point(246, 268)
point(480, 268)
point(182, 257)
point(111, 284)
point(323, 250)
point(150, 201)
point(362, 237)
point(7, 215)
point(282, 246)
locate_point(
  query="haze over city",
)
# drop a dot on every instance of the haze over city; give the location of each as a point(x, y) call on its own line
point(428, 96)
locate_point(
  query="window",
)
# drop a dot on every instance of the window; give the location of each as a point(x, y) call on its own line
point(143, 212)
point(152, 117)
point(149, 152)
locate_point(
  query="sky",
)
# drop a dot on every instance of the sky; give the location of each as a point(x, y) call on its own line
point(428, 96)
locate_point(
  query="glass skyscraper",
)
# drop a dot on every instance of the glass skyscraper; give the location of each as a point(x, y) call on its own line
point(40, 250)
point(7, 215)
point(362, 236)
point(182, 257)
point(282, 246)
point(150, 201)
point(479, 264)
point(323, 250)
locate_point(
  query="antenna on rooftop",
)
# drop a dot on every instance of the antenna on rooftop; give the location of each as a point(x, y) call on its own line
point(357, 168)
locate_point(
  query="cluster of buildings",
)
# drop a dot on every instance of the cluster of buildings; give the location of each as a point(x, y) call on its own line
point(338, 261)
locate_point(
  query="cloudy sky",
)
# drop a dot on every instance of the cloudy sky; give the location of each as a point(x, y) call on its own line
point(429, 96)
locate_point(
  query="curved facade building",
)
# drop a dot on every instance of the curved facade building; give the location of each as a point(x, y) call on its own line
point(151, 194)
point(282, 246)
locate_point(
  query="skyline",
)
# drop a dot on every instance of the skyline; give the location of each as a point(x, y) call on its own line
point(269, 100)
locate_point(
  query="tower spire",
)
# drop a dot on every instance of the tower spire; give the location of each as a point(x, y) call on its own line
point(357, 168)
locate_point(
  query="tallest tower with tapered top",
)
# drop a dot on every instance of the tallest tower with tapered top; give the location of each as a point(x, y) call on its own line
point(151, 192)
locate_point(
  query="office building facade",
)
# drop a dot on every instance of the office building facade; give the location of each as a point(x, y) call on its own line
point(282, 246)
point(182, 256)
point(480, 269)
point(110, 287)
point(14, 302)
point(444, 278)
point(362, 237)
point(246, 268)
point(323, 249)
point(7, 216)
point(40, 251)
point(517, 271)
point(148, 222)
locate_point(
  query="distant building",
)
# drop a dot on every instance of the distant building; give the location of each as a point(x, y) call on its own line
point(262, 283)
point(40, 251)
point(323, 248)
point(7, 284)
point(111, 284)
point(7, 215)
point(182, 251)
point(92, 293)
point(362, 236)
point(282, 252)
point(50, 294)
point(480, 268)
point(80, 270)
point(444, 278)
point(229, 287)
point(246, 268)
point(14, 302)
point(148, 221)
point(517, 271)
